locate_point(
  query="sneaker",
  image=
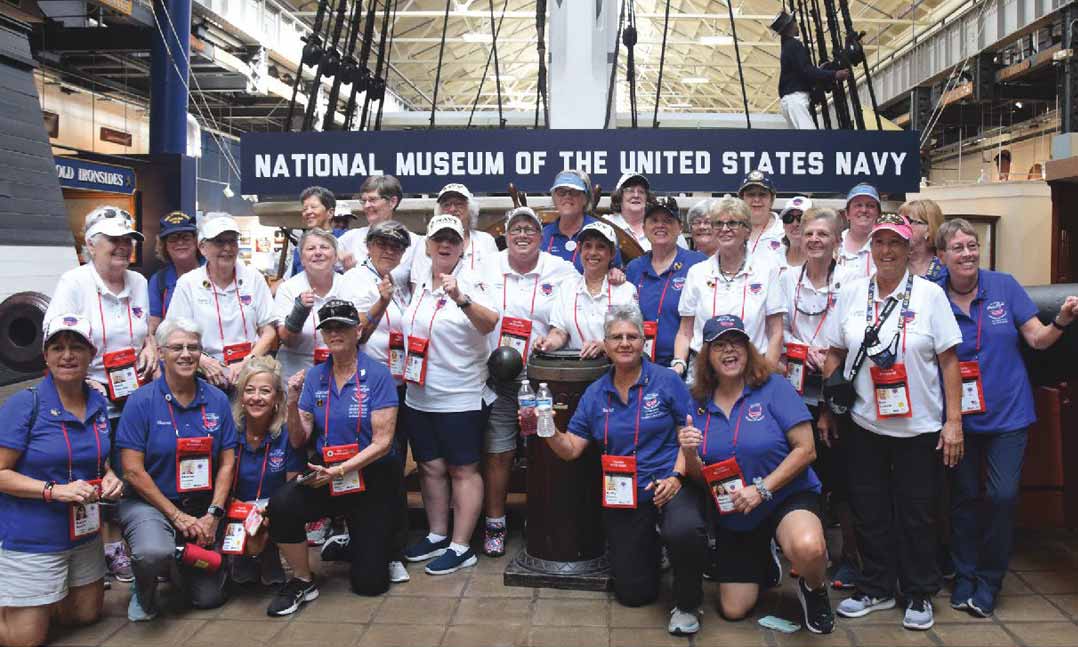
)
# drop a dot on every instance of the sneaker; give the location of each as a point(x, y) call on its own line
point(335, 549)
point(774, 567)
point(846, 576)
point(494, 541)
point(119, 564)
point(450, 562)
point(244, 569)
point(963, 591)
point(816, 607)
point(918, 615)
point(425, 549)
point(135, 610)
point(291, 597)
point(980, 606)
point(683, 623)
point(862, 604)
point(318, 531)
point(397, 572)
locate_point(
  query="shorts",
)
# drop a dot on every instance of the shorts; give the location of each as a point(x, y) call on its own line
point(37, 579)
point(745, 557)
point(502, 426)
point(456, 437)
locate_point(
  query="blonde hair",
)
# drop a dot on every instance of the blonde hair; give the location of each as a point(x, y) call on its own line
point(256, 366)
point(731, 205)
point(926, 210)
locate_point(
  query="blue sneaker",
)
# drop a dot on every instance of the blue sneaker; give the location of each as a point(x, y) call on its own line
point(135, 612)
point(963, 591)
point(450, 562)
point(425, 549)
point(981, 604)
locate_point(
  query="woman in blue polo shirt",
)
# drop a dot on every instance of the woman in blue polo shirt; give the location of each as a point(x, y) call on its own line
point(265, 460)
point(177, 248)
point(571, 195)
point(659, 277)
point(750, 441)
point(345, 409)
point(54, 449)
point(177, 443)
point(633, 413)
point(992, 310)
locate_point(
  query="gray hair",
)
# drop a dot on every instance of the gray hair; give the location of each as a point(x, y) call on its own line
point(827, 215)
point(473, 213)
point(731, 205)
point(951, 227)
point(700, 210)
point(318, 232)
point(629, 313)
point(177, 324)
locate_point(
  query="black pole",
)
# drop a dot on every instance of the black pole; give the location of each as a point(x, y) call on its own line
point(312, 54)
point(385, 80)
point(541, 94)
point(377, 89)
point(362, 79)
point(331, 60)
point(347, 69)
point(438, 72)
point(614, 67)
point(497, 71)
point(838, 92)
point(629, 37)
point(662, 63)
point(740, 72)
point(855, 52)
point(839, 51)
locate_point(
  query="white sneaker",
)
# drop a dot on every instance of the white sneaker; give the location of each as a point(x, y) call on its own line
point(683, 623)
point(397, 573)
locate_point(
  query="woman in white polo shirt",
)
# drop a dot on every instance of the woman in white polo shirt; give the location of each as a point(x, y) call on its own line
point(897, 413)
point(730, 283)
point(298, 299)
point(577, 318)
point(229, 299)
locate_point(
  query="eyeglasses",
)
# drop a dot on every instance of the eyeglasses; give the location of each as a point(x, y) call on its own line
point(918, 221)
point(374, 200)
point(523, 231)
point(891, 219)
point(627, 337)
point(178, 349)
point(225, 241)
point(732, 225)
point(972, 248)
point(790, 216)
point(702, 225)
point(387, 245)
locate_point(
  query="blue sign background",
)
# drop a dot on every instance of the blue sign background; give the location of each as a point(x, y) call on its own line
point(715, 160)
point(94, 176)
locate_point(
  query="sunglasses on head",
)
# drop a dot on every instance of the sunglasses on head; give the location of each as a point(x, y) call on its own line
point(891, 219)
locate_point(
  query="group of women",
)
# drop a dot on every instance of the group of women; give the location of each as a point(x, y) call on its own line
point(732, 368)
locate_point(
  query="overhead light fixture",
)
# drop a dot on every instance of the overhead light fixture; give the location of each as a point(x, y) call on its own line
point(718, 41)
point(1018, 104)
point(476, 37)
point(695, 80)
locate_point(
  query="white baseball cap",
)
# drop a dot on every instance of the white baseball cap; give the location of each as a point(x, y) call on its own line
point(456, 188)
point(603, 229)
point(442, 222)
point(796, 203)
point(74, 323)
point(522, 212)
point(111, 221)
point(212, 228)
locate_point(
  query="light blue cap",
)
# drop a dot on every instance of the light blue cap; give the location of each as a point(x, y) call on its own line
point(569, 180)
point(863, 188)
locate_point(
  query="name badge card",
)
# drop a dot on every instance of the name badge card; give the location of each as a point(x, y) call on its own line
point(972, 387)
point(651, 331)
point(121, 373)
point(235, 353)
point(796, 356)
point(396, 354)
point(516, 334)
point(892, 392)
point(723, 479)
point(194, 464)
point(349, 482)
point(320, 355)
point(415, 366)
point(85, 518)
point(235, 535)
point(619, 481)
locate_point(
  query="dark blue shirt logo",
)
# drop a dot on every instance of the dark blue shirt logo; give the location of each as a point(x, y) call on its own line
point(755, 412)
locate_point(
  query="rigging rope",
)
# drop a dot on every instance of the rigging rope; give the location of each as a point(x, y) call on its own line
point(629, 37)
point(389, 57)
point(662, 64)
point(541, 93)
point(438, 73)
point(740, 72)
point(486, 68)
point(614, 67)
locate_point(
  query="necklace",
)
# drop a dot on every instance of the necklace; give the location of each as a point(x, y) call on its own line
point(724, 275)
point(958, 292)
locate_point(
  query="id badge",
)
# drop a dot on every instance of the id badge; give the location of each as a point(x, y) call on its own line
point(320, 355)
point(972, 387)
point(723, 479)
point(85, 518)
point(396, 354)
point(121, 374)
point(796, 355)
point(619, 481)
point(651, 331)
point(252, 523)
point(415, 366)
point(892, 392)
point(516, 334)
point(351, 481)
point(234, 353)
point(235, 534)
point(194, 464)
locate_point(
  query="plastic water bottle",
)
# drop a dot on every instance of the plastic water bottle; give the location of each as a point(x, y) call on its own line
point(544, 409)
point(526, 402)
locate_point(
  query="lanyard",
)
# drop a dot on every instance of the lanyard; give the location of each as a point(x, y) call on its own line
point(437, 309)
point(505, 281)
point(797, 297)
point(329, 395)
point(262, 476)
point(71, 455)
point(104, 335)
point(550, 244)
point(576, 300)
point(662, 295)
point(217, 304)
point(606, 421)
point(389, 322)
point(980, 319)
point(737, 427)
point(172, 417)
point(875, 307)
point(715, 287)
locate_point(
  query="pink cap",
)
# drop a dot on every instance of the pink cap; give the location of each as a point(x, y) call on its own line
point(893, 222)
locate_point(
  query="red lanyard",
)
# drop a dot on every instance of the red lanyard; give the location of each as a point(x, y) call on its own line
point(797, 296)
point(71, 456)
point(550, 244)
point(130, 324)
point(662, 296)
point(329, 394)
point(505, 281)
point(389, 323)
point(576, 300)
point(172, 417)
point(744, 293)
point(217, 304)
point(261, 477)
point(606, 421)
point(437, 309)
point(737, 428)
point(980, 318)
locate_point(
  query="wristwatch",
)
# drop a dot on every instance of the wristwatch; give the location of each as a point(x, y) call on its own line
point(216, 510)
point(677, 361)
point(678, 475)
point(463, 305)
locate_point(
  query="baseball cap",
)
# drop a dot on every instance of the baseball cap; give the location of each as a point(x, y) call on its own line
point(111, 221)
point(893, 222)
point(796, 203)
point(602, 229)
point(626, 178)
point(756, 178)
point(522, 212)
point(74, 323)
point(863, 188)
point(442, 222)
point(214, 227)
point(457, 189)
point(716, 327)
point(569, 180)
point(664, 204)
point(338, 311)
point(392, 231)
point(176, 222)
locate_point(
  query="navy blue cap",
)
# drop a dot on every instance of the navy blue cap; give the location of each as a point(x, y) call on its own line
point(757, 178)
point(176, 222)
point(718, 326)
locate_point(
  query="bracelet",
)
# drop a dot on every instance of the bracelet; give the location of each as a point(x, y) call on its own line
point(46, 492)
point(1056, 324)
point(762, 489)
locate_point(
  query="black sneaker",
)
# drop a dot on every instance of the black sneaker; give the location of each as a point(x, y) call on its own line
point(291, 597)
point(336, 548)
point(774, 567)
point(816, 606)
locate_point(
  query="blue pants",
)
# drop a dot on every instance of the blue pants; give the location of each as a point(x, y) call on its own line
point(982, 531)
